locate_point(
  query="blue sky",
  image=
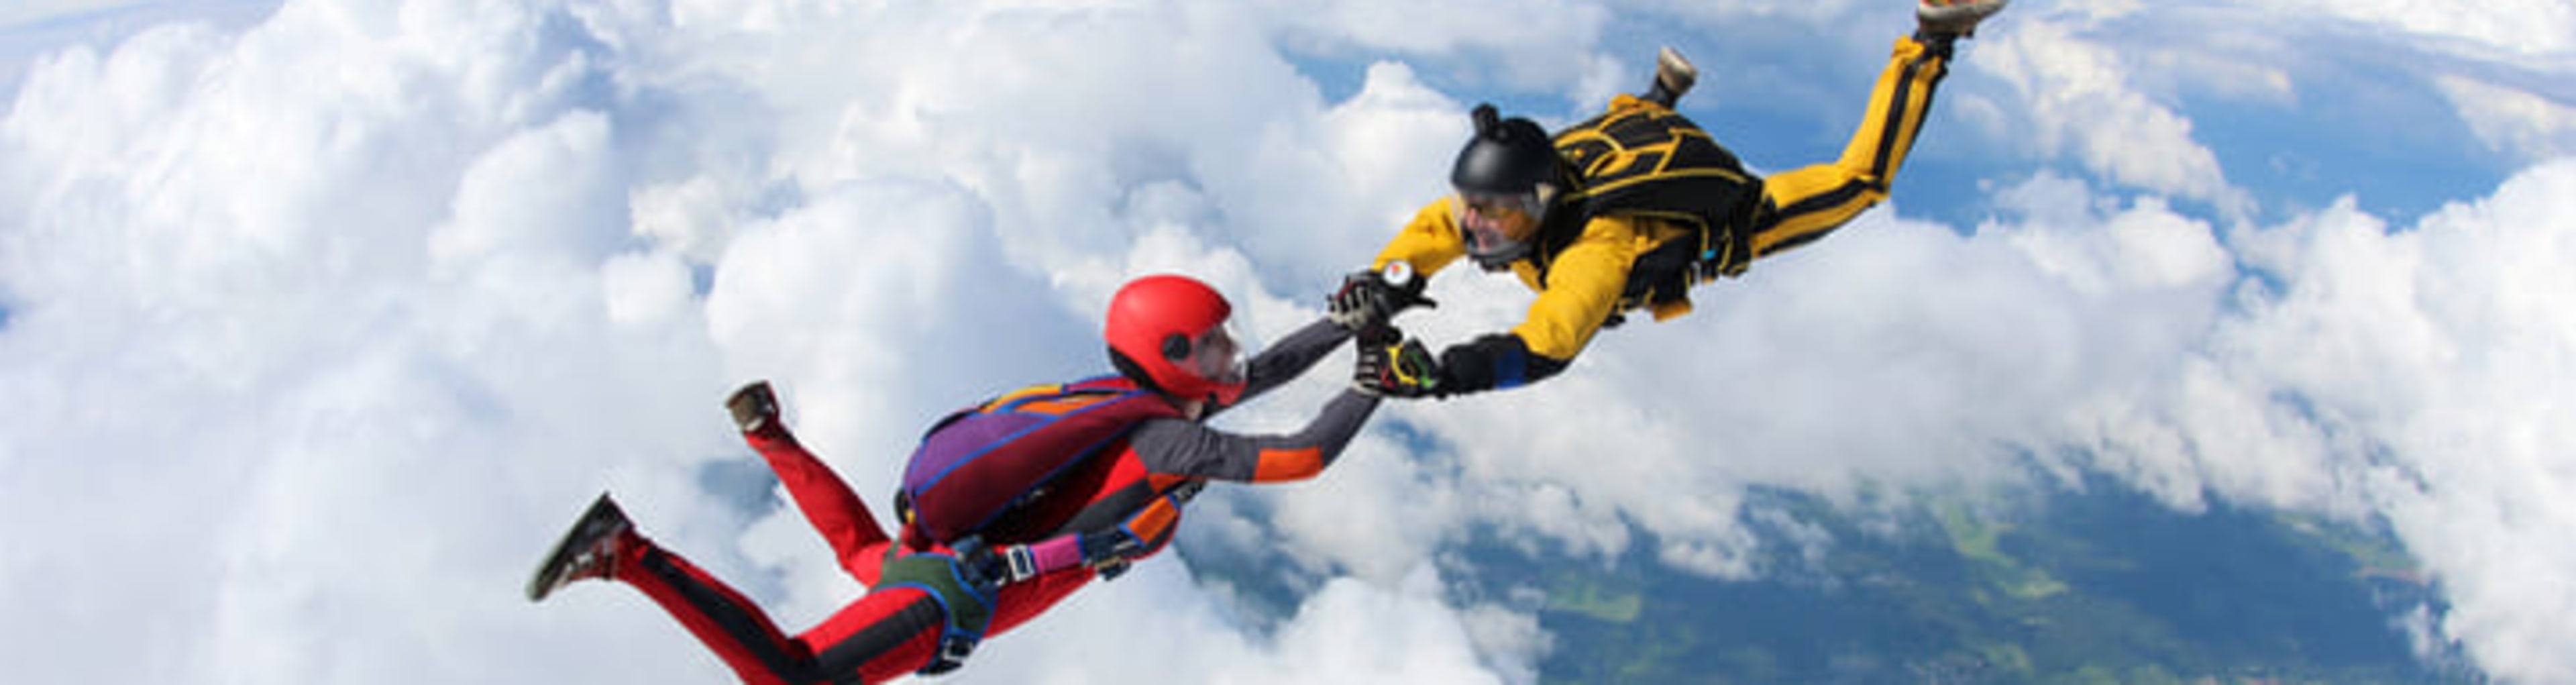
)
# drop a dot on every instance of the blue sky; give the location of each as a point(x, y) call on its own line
point(324, 317)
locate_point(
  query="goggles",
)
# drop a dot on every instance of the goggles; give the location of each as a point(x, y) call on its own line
point(1217, 355)
point(1497, 227)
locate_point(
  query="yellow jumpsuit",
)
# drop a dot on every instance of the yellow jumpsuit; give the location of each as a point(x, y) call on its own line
point(1580, 284)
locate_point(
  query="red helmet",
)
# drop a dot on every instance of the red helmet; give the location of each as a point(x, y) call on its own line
point(1170, 332)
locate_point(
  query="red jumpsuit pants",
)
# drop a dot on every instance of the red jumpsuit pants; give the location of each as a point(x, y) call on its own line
point(880, 636)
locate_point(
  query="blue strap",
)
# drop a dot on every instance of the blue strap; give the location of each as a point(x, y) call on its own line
point(1511, 368)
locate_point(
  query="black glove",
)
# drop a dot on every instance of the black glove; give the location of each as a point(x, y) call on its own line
point(755, 409)
point(1109, 554)
point(1369, 299)
point(1404, 369)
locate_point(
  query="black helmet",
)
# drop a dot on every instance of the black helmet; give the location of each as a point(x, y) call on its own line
point(1506, 157)
point(1506, 178)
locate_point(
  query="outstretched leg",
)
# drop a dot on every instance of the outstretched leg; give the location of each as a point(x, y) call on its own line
point(1802, 205)
point(887, 633)
point(825, 499)
point(883, 635)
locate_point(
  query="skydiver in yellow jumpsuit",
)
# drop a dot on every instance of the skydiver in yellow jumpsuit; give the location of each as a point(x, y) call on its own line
point(1628, 210)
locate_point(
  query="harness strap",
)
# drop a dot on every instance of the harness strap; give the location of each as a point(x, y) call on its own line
point(965, 612)
point(1734, 239)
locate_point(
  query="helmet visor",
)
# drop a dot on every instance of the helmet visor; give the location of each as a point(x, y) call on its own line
point(1219, 355)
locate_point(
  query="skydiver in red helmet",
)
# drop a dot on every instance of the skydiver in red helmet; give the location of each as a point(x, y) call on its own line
point(1010, 504)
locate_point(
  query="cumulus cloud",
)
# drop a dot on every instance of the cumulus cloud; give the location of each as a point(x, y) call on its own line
point(2427, 352)
point(1496, 36)
point(319, 328)
point(1345, 631)
point(2079, 99)
point(2526, 27)
point(2518, 123)
point(1417, 26)
point(341, 353)
point(2391, 374)
point(33, 28)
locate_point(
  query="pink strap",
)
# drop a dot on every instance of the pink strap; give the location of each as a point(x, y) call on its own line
point(1058, 553)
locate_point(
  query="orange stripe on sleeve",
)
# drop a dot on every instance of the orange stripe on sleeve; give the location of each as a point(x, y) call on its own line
point(1296, 464)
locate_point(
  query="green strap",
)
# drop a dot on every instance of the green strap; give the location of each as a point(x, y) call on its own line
point(969, 613)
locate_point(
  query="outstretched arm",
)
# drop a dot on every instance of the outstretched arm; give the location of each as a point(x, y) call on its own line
point(1581, 291)
point(1291, 357)
point(1184, 448)
point(1430, 242)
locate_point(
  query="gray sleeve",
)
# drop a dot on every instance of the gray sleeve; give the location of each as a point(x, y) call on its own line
point(1292, 356)
point(1188, 448)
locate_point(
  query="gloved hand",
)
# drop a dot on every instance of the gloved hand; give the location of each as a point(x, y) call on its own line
point(1110, 554)
point(1369, 299)
point(755, 408)
point(1404, 369)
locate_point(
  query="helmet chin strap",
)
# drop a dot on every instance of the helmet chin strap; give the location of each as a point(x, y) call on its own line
point(1491, 252)
point(1499, 259)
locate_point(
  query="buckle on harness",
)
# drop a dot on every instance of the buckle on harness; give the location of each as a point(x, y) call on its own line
point(952, 652)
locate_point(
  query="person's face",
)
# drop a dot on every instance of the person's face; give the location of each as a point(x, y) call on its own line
point(1497, 223)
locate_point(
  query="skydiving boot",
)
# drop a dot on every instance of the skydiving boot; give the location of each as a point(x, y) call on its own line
point(589, 550)
point(1673, 78)
point(1949, 20)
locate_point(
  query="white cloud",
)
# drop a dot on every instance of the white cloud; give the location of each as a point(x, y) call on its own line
point(2077, 96)
point(32, 28)
point(2378, 374)
point(1517, 43)
point(329, 449)
point(1418, 26)
point(1346, 631)
point(2430, 352)
point(1382, 153)
point(33, 11)
point(2518, 123)
point(1379, 514)
point(2528, 27)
